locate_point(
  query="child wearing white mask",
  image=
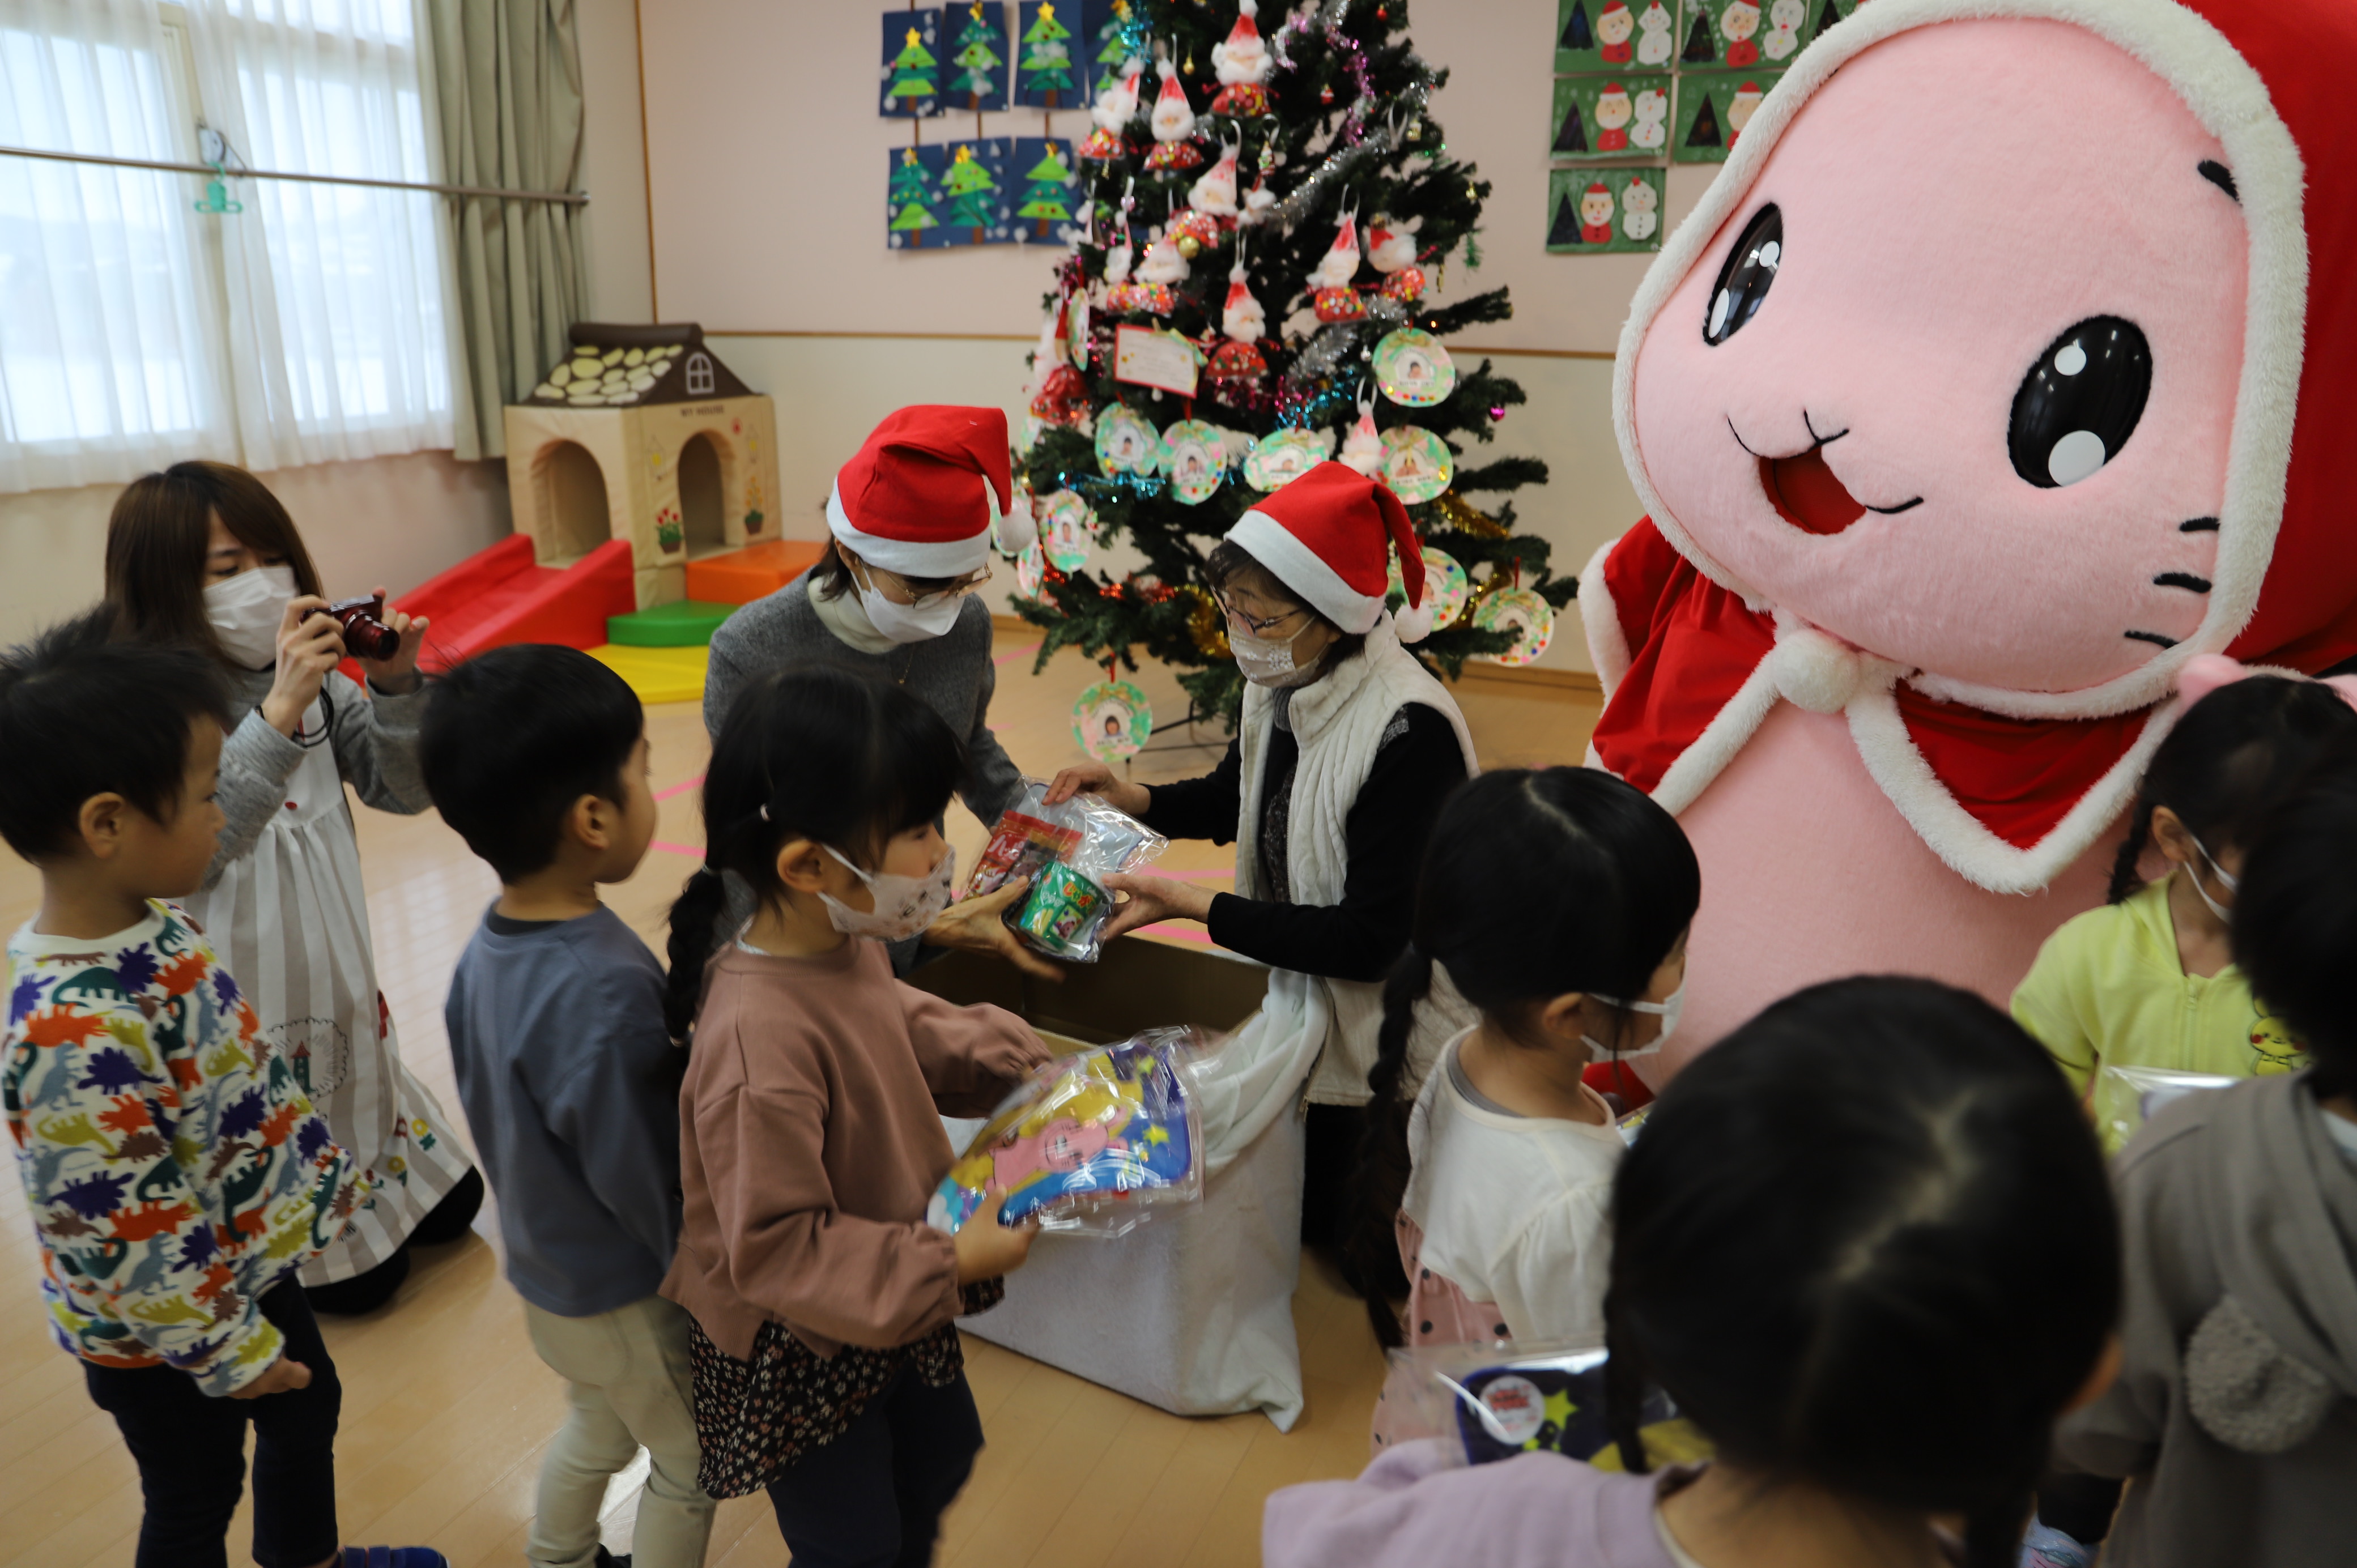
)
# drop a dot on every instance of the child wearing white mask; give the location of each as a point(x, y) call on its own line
point(1558, 902)
point(203, 554)
point(912, 515)
point(827, 1366)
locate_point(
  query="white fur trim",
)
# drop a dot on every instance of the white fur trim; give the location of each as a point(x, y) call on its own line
point(2231, 100)
point(1608, 645)
point(1727, 732)
point(1956, 836)
point(1304, 571)
point(942, 558)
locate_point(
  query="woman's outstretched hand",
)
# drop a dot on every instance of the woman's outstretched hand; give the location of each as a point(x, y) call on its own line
point(1096, 778)
point(979, 925)
point(1150, 898)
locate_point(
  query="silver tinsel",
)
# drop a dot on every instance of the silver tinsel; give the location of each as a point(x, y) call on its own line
point(1323, 354)
point(1380, 143)
point(1384, 311)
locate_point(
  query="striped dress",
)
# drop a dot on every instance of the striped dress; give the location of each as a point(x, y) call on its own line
point(283, 904)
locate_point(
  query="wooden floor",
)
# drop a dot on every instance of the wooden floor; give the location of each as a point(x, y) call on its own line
point(446, 1408)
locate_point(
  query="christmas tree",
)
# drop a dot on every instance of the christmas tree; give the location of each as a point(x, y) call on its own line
point(1347, 145)
point(975, 58)
point(1047, 62)
point(909, 196)
point(973, 195)
point(912, 72)
point(1047, 200)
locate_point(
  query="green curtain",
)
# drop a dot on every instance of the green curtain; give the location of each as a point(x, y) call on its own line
point(507, 76)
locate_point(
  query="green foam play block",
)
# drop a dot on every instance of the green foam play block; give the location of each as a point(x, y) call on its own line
point(686, 624)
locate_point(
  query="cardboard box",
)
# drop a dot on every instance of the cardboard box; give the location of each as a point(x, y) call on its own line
point(1138, 985)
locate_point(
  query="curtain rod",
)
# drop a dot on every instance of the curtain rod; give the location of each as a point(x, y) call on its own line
point(567, 198)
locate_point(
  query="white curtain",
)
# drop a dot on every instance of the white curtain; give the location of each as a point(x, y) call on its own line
point(136, 331)
point(108, 361)
point(336, 322)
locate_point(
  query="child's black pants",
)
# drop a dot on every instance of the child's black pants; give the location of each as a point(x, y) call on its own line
point(873, 1498)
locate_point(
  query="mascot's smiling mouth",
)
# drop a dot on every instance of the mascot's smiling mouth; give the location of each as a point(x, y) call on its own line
point(1807, 493)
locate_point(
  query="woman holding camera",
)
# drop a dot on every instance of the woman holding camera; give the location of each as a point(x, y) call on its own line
point(203, 554)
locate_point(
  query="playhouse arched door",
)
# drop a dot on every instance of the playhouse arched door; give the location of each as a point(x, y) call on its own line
point(573, 499)
point(703, 496)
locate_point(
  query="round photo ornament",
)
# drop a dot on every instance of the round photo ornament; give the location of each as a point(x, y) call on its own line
point(1413, 369)
point(1446, 586)
point(1030, 570)
point(1068, 530)
point(1517, 609)
point(1194, 454)
point(1126, 442)
point(1283, 456)
point(1112, 719)
point(1416, 464)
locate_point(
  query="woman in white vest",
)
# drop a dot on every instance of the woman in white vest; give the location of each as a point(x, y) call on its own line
point(1347, 748)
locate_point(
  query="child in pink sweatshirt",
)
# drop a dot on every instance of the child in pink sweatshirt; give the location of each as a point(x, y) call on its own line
point(1866, 1246)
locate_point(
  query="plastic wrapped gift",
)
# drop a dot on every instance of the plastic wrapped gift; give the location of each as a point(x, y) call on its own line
point(1492, 1401)
point(1067, 851)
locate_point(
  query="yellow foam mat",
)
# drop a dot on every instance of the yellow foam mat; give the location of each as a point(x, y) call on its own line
point(658, 675)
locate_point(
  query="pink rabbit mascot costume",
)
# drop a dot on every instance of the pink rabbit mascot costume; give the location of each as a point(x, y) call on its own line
point(1960, 437)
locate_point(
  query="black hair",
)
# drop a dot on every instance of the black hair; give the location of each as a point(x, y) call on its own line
point(2231, 755)
point(1866, 1242)
point(814, 752)
point(83, 715)
point(514, 736)
point(1229, 561)
point(1533, 884)
point(2295, 926)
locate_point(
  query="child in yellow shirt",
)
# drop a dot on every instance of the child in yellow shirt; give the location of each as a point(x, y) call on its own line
point(2149, 979)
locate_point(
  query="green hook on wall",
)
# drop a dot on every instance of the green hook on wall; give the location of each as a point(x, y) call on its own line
point(214, 150)
point(216, 197)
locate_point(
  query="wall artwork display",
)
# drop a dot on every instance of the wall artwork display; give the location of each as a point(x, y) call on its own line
point(1047, 74)
point(1047, 203)
point(911, 73)
point(974, 64)
point(1110, 31)
point(1604, 211)
point(1612, 116)
point(1712, 111)
point(952, 194)
point(1752, 35)
point(1612, 35)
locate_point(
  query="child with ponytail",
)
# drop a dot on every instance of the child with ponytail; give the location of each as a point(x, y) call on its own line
point(1866, 1245)
point(1558, 901)
point(826, 1367)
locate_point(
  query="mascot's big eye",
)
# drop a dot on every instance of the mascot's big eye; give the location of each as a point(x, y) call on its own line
point(2079, 403)
point(1744, 280)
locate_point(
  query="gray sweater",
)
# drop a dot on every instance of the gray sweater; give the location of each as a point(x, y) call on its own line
point(953, 673)
point(571, 1086)
point(375, 741)
point(2236, 1410)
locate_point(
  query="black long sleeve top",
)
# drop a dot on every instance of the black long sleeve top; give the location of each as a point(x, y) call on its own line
point(1417, 767)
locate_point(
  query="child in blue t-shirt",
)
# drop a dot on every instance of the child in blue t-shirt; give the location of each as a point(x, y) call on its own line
point(537, 755)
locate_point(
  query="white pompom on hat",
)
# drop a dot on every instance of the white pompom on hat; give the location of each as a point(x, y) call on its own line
point(1327, 536)
point(921, 494)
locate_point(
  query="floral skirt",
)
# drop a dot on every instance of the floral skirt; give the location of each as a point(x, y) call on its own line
point(755, 1418)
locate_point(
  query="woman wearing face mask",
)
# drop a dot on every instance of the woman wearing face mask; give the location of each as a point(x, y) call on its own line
point(1347, 748)
point(204, 555)
point(893, 599)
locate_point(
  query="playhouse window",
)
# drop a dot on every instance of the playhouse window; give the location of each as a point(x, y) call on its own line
point(699, 375)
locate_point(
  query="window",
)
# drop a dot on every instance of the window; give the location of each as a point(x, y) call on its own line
point(309, 326)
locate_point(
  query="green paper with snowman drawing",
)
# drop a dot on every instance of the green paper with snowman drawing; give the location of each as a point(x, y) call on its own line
point(1712, 109)
point(1610, 117)
point(1603, 37)
point(1751, 35)
point(1604, 211)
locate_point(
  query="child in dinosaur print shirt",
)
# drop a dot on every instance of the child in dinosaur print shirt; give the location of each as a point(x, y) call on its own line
point(174, 1167)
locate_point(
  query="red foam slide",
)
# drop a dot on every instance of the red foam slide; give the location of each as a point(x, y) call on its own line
point(503, 595)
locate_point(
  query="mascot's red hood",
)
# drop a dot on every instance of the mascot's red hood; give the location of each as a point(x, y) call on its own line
point(2010, 786)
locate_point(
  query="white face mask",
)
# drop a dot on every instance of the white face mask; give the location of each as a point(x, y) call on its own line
point(2225, 912)
point(904, 905)
point(1269, 664)
point(1666, 1011)
point(907, 623)
point(244, 613)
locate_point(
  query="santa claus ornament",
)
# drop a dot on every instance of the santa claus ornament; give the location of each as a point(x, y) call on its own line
point(1162, 270)
point(1059, 394)
point(1215, 192)
point(1234, 371)
point(1242, 65)
point(1331, 297)
point(1363, 449)
point(1935, 524)
point(1174, 123)
point(1392, 252)
point(1115, 106)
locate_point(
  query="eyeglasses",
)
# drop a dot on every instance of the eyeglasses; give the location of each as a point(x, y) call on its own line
point(1258, 627)
point(900, 590)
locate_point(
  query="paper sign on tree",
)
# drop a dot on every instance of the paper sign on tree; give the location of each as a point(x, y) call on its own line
point(1047, 196)
point(1611, 117)
point(1602, 211)
point(1712, 111)
point(911, 72)
point(1147, 357)
point(1045, 75)
point(974, 73)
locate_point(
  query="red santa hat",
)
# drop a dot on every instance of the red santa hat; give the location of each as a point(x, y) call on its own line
point(1611, 89)
point(1612, 5)
point(1327, 536)
point(921, 497)
point(1245, 34)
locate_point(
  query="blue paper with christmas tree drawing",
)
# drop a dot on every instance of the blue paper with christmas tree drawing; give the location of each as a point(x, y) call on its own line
point(912, 195)
point(911, 69)
point(974, 54)
point(1049, 72)
point(973, 182)
point(1045, 202)
point(1110, 32)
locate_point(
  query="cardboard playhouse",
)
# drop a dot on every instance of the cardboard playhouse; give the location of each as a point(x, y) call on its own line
point(1193, 1312)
